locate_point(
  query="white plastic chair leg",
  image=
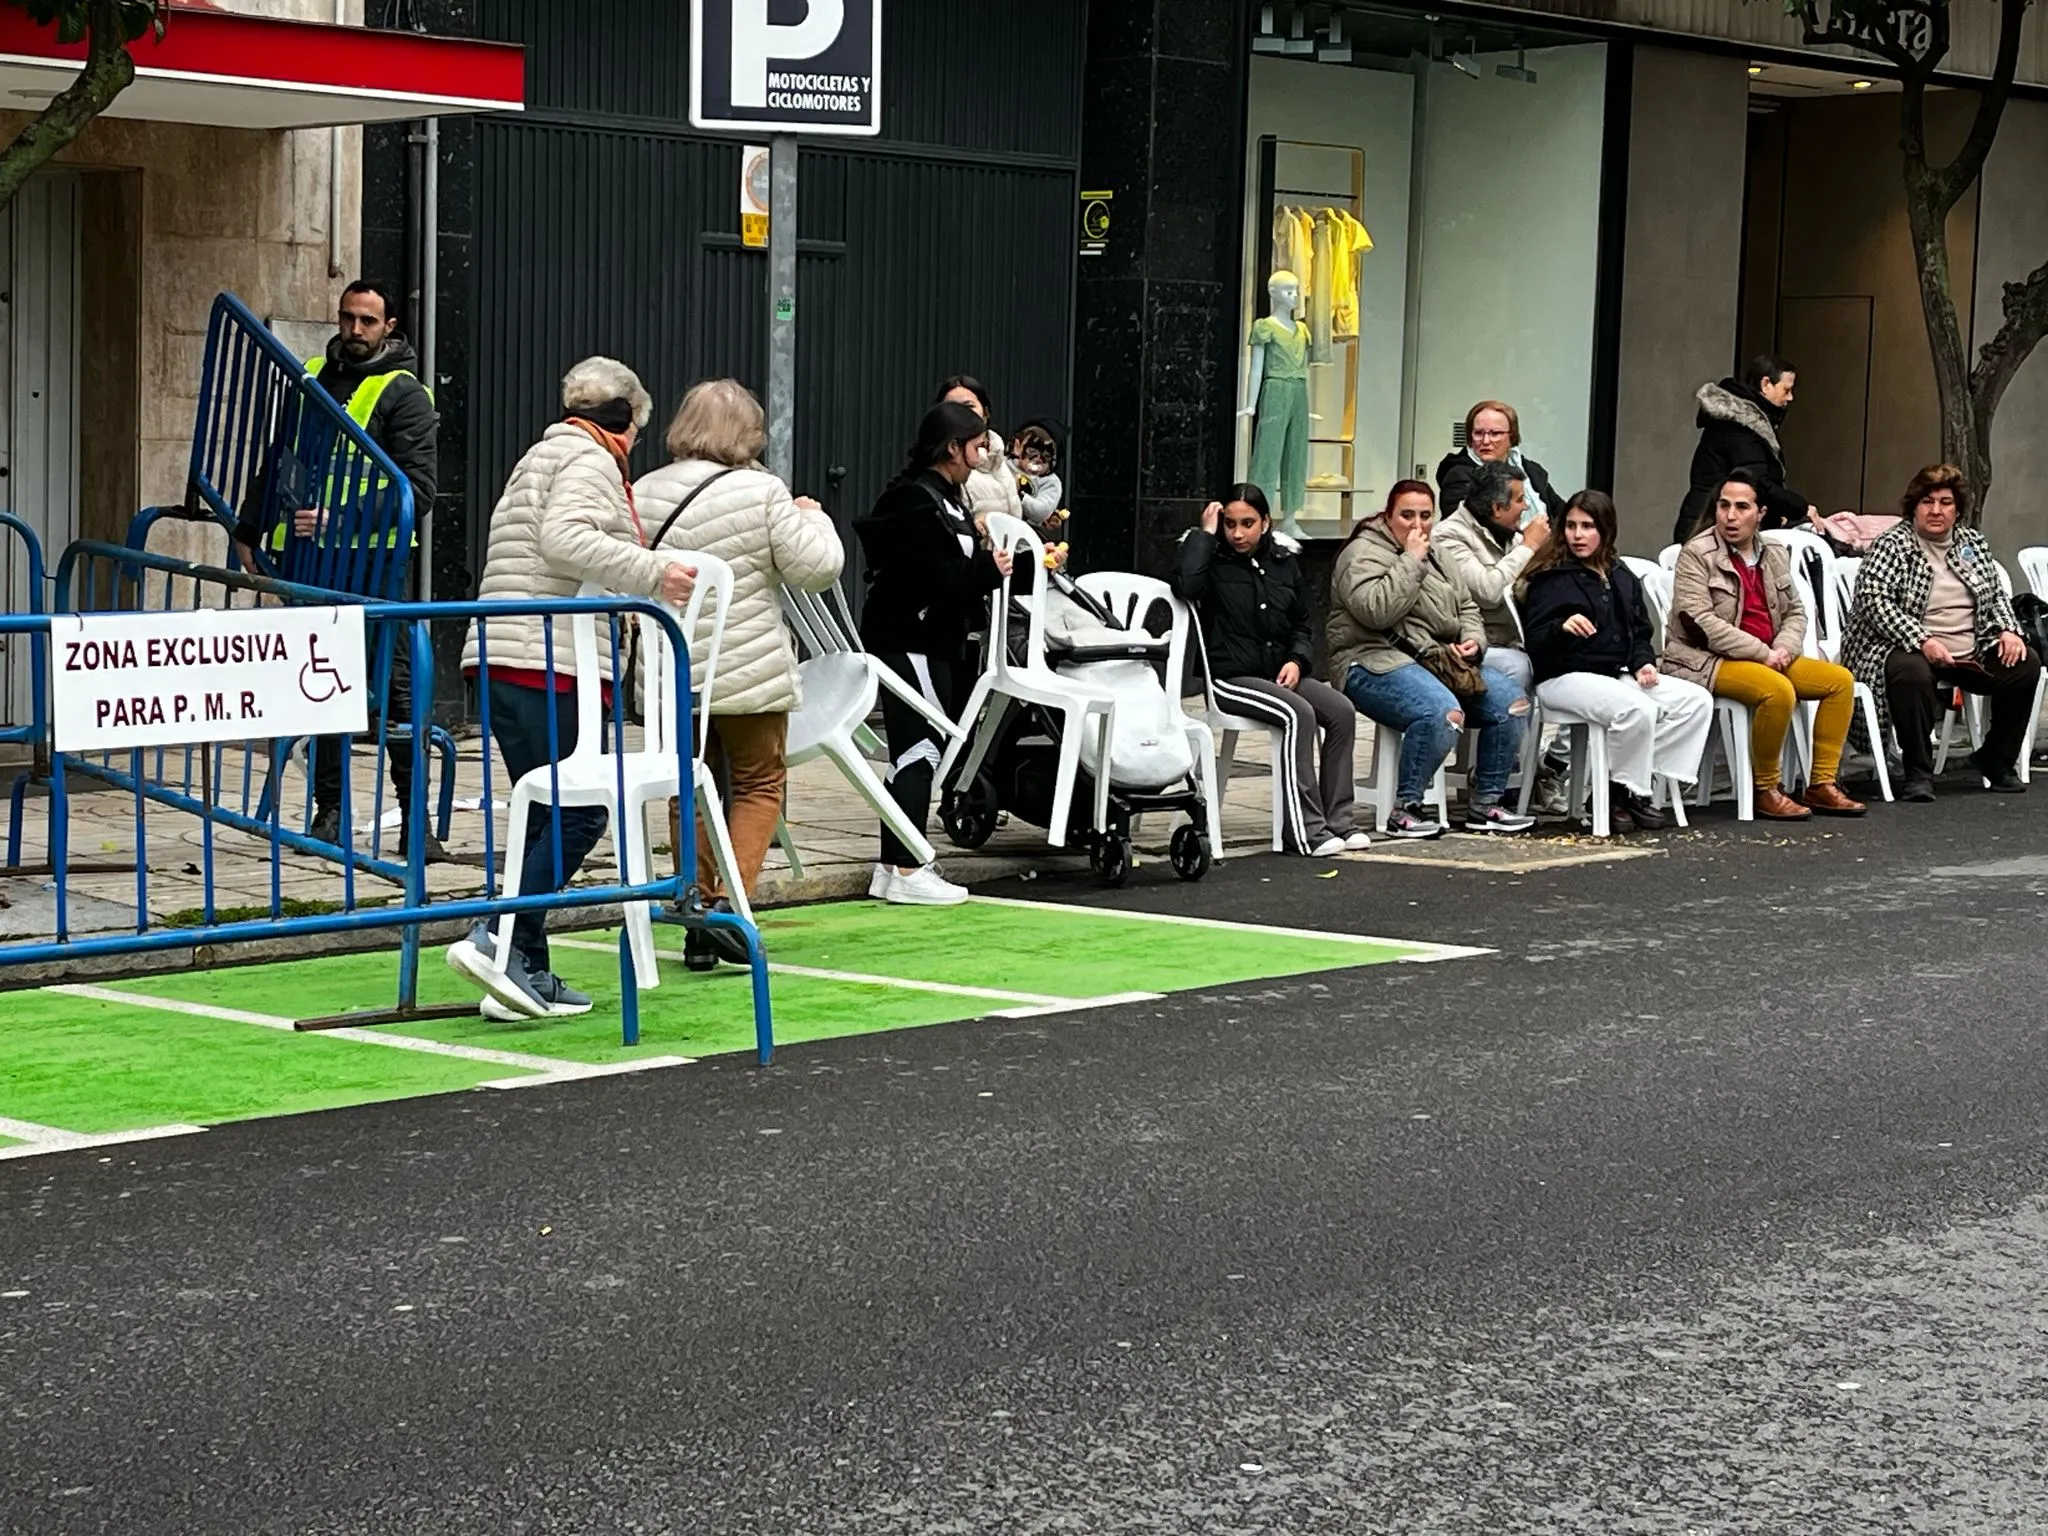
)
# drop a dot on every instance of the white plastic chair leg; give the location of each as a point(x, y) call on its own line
point(1102, 770)
point(860, 773)
point(1867, 702)
point(788, 845)
point(1596, 754)
point(634, 856)
point(1068, 771)
point(523, 800)
point(712, 810)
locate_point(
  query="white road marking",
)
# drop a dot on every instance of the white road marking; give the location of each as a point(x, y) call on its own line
point(1422, 952)
point(1032, 1004)
point(553, 1068)
point(36, 1140)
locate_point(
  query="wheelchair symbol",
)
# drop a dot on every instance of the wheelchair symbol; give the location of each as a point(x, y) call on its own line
point(319, 674)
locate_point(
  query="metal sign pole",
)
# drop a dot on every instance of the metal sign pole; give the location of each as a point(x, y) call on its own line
point(782, 153)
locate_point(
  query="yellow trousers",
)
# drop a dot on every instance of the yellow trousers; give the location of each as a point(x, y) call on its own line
point(1772, 696)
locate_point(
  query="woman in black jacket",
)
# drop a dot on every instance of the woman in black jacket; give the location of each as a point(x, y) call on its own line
point(1593, 646)
point(1249, 598)
point(1739, 421)
point(1493, 435)
point(928, 577)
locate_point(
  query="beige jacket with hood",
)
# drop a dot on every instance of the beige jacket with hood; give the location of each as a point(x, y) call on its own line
point(1379, 592)
point(1485, 571)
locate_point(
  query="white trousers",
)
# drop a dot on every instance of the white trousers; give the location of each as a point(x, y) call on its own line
point(1649, 730)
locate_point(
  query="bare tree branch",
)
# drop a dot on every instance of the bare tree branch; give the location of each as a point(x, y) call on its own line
point(2025, 323)
point(1962, 172)
point(108, 25)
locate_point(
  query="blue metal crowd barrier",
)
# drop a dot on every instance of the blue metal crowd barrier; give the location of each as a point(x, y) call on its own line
point(30, 731)
point(274, 453)
point(143, 773)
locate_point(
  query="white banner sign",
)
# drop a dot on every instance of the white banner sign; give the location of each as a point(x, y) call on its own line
point(213, 674)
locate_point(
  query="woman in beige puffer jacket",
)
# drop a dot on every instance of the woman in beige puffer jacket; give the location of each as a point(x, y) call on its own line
point(566, 517)
point(715, 499)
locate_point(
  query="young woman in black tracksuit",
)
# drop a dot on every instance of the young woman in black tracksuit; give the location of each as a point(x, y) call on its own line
point(1253, 608)
point(929, 578)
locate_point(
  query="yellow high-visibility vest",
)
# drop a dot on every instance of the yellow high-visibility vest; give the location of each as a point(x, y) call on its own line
point(362, 405)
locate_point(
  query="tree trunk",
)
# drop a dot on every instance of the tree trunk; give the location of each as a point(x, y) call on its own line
point(108, 69)
point(1927, 218)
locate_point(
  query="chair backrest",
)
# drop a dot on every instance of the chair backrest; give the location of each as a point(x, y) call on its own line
point(1815, 558)
point(1130, 598)
point(822, 623)
point(1668, 556)
point(1015, 538)
point(1656, 589)
point(709, 604)
point(1809, 605)
point(2034, 566)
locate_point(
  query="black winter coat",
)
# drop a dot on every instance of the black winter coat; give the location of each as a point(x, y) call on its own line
point(925, 593)
point(1623, 641)
point(1458, 474)
point(1253, 608)
point(1738, 430)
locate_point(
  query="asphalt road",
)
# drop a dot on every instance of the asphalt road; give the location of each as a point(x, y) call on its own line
point(1713, 1202)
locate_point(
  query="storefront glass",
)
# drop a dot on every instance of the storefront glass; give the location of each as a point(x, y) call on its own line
point(1436, 196)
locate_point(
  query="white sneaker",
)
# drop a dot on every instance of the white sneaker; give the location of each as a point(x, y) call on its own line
point(1357, 842)
point(878, 884)
point(1329, 847)
point(923, 888)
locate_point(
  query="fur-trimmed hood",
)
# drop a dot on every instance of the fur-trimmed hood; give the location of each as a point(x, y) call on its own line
point(1733, 402)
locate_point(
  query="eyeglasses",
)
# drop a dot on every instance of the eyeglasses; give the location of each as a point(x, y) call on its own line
point(1488, 433)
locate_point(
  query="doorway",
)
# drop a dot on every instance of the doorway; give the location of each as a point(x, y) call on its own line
point(39, 309)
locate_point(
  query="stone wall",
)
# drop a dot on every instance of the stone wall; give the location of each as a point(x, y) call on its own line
point(174, 214)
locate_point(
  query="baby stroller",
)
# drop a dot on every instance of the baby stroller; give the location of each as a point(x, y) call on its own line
point(1013, 757)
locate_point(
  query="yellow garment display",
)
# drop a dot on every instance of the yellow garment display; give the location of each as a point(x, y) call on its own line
point(1347, 242)
point(1294, 246)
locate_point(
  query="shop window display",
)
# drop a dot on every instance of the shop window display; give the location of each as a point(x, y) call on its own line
point(1439, 223)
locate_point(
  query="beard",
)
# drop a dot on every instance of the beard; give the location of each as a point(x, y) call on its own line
point(356, 350)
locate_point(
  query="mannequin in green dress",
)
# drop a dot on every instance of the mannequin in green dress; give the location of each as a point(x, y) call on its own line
point(1276, 394)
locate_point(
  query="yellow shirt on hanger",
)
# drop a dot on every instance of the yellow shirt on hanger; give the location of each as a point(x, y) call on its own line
point(1347, 242)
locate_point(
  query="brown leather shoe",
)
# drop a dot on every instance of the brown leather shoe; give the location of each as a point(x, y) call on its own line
point(1829, 800)
point(1774, 804)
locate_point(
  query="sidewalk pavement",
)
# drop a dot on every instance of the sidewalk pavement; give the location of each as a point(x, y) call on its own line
point(832, 827)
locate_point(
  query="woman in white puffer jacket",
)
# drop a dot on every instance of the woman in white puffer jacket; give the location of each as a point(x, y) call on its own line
point(716, 499)
point(566, 517)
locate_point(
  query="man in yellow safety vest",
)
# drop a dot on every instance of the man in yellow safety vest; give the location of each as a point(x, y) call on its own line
point(372, 372)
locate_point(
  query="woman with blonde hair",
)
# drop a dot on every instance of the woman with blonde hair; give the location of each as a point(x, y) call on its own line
point(566, 517)
point(1493, 435)
point(716, 499)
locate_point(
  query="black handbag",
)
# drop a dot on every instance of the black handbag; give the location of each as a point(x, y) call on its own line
point(2031, 614)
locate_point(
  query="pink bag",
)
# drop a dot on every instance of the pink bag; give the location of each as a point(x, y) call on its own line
point(1856, 530)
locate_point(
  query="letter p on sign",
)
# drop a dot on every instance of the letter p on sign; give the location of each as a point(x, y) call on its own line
point(755, 42)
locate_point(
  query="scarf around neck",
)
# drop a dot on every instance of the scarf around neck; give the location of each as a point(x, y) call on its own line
point(614, 443)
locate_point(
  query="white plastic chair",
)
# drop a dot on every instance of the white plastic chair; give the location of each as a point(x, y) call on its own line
point(1973, 717)
point(840, 683)
point(591, 776)
point(1129, 598)
point(1815, 560)
point(1866, 701)
point(1031, 681)
point(1667, 557)
point(2033, 562)
point(1227, 728)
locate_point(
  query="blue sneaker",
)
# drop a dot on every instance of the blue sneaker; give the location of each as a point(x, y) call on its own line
point(509, 985)
point(558, 1000)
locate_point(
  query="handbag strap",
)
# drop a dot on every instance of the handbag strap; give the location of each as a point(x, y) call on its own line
point(682, 506)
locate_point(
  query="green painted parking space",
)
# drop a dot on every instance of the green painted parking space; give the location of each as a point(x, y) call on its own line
point(193, 1049)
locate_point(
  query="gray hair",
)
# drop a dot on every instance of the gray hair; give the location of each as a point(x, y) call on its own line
point(597, 379)
point(1493, 486)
